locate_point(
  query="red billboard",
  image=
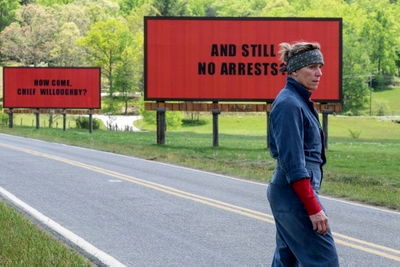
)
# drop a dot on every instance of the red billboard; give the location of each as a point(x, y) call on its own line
point(51, 87)
point(233, 59)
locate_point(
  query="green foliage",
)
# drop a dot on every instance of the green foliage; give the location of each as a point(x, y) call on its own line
point(65, 51)
point(7, 12)
point(354, 134)
point(174, 119)
point(46, 33)
point(381, 30)
point(170, 7)
point(29, 40)
point(381, 109)
point(127, 6)
point(201, 8)
point(193, 122)
point(3, 119)
point(106, 43)
point(381, 82)
point(124, 74)
point(83, 123)
point(53, 2)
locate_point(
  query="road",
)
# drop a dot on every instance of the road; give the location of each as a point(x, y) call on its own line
point(146, 213)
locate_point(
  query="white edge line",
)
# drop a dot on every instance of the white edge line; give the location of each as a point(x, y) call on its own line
point(75, 239)
point(211, 173)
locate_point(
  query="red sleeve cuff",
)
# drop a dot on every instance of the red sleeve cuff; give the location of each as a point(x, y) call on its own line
point(306, 194)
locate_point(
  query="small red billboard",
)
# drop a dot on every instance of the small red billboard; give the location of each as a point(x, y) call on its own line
point(51, 87)
point(233, 59)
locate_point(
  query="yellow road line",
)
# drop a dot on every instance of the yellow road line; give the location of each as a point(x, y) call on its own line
point(339, 238)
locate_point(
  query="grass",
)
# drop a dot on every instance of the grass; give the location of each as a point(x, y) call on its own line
point(385, 102)
point(23, 244)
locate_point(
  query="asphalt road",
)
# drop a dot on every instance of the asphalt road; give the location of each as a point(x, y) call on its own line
point(145, 213)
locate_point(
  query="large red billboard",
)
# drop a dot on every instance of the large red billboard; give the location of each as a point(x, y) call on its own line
point(51, 87)
point(233, 59)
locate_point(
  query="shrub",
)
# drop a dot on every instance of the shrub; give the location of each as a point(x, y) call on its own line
point(3, 119)
point(381, 82)
point(354, 134)
point(83, 123)
point(191, 122)
point(382, 109)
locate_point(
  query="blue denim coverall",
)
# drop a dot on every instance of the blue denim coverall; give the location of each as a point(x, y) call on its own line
point(296, 142)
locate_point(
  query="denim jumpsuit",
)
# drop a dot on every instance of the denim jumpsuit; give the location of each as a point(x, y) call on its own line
point(296, 142)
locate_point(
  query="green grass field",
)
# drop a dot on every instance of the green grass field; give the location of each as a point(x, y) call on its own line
point(23, 244)
point(384, 102)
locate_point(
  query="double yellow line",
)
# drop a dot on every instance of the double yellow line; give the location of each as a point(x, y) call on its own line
point(341, 239)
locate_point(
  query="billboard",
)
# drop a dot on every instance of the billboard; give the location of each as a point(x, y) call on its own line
point(233, 59)
point(51, 87)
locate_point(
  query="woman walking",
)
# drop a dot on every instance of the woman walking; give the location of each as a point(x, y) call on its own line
point(303, 237)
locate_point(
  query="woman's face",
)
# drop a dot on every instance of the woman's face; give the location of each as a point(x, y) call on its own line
point(308, 76)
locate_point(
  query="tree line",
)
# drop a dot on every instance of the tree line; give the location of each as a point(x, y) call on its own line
point(109, 34)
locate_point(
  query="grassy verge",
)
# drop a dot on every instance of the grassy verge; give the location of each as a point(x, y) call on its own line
point(361, 167)
point(23, 244)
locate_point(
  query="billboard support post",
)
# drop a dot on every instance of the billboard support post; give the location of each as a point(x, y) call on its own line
point(37, 115)
point(215, 113)
point(161, 126)
point(90, 121)
point(64, 113)
point(325, 114)
point(10, 118)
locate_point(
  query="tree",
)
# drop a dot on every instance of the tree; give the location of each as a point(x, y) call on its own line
point(201, 8)
point(356, 49)
point(124, 76)
point(105, 43)
point(99, 10)
point(127, 5)
point(71, 13)
point(65, 51)
point(382, 30)
point(52, 2)
point(7, 12)
point(170, 7)
point(30, 39)
point(237, 8)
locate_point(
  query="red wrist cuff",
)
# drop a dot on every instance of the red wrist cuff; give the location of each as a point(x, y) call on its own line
point(306, 194)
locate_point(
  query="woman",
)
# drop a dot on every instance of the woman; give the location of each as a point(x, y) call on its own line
point(303, 237)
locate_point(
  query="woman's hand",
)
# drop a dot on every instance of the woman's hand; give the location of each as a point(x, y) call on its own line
point(320, 222)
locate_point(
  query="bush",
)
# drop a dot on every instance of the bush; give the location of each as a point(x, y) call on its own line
point(191, 122)
point(381, 82)
point(173, 118)
point(355, 134)
point(83, 123)
point(382, 109)
point(3, 119)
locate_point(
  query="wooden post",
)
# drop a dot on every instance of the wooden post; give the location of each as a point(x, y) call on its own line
point(161, 126)
point(10, 118)
point(215, 113)
point(64, 113)
point(90, 121)
point(325, 114)
point(37, 115)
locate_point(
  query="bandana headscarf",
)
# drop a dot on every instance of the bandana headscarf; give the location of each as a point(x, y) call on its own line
point(301, 60)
